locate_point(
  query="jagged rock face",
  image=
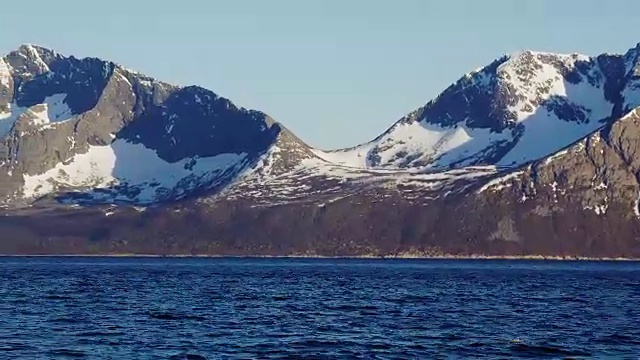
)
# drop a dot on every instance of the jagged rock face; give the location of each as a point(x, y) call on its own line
point(76, 128)
point(599, 174)
point(6, 86)
point(195, 122)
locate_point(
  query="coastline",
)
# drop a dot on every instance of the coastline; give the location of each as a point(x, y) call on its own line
point(353, 257)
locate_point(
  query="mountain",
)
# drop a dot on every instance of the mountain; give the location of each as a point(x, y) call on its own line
point(517, 109)
point(92, 131)
point(532, 155)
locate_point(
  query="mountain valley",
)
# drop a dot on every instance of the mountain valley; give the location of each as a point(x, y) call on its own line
point(535, 154)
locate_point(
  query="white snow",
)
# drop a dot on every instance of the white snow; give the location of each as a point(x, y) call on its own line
point(8, 119)
point(52, 110)
point(134, 165)
point(355, 157)
point(134, 72)
point(600, 209)
point(631, 93)
point(636, 206)
point(557, 155)
point(432, 144)
point(123, 78)
point(500, 182)
point(267, 161)
point(146, 83)
point(292, 184)
point(418, 144)
point(35, 55)
point(601, 186)
point(262, 171)
point(554, 188)
point(5, 73)
point(393, 178)
point(544, 132)
point(315, 167)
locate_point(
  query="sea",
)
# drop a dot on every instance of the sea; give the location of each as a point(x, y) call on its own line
point(282, 308)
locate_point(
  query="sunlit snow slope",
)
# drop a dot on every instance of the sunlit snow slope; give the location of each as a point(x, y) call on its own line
point(520, 108)
point(147, 178)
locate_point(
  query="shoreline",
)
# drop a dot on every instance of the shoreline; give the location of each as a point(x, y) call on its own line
point(353, 257)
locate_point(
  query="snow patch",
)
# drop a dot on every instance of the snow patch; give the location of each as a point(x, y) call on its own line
point(554, 188)
point(146, 83)
point(355, 157)
point(37, 59)
point(52, 110)
point(631, 93)
point(599, 209)
point(5, 73)
point(601, 186)
point(557, 155)
point(501, 182)
point(9, 118)
point(262, 171)
point(429, 146)
point(124, 78)
point(132, 165)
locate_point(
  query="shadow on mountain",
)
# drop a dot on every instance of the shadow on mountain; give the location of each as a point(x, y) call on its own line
point(192, 144)
point(82, 80)
point(554, 124)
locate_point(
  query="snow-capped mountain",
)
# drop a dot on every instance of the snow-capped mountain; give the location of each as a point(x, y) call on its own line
point(87, 130)
point(517, 109)
point(91, 131)
point(534, 154)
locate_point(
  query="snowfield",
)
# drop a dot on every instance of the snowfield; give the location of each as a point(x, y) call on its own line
point(134, 166)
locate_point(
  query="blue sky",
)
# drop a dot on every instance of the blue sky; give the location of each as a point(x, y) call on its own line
point(336, 72)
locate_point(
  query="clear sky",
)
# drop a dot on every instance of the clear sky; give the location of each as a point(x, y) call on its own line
point(336, 72)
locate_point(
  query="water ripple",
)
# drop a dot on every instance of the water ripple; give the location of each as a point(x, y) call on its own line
point(97, 308)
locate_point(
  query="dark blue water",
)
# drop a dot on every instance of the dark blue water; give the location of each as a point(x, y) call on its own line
point(101, 308)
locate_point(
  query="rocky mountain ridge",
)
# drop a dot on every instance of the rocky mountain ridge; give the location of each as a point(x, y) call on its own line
point(534, 154)
point(91, 130)
point(504, 113)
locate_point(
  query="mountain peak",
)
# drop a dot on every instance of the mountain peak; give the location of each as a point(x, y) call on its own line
point(526, 56)
point(521, 107)
point(30, 59)
point(31, 48)
point(35, 52)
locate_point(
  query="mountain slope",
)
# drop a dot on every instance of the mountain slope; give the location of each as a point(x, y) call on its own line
point(92, 131)
point(535, 154)
point(517, 109)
